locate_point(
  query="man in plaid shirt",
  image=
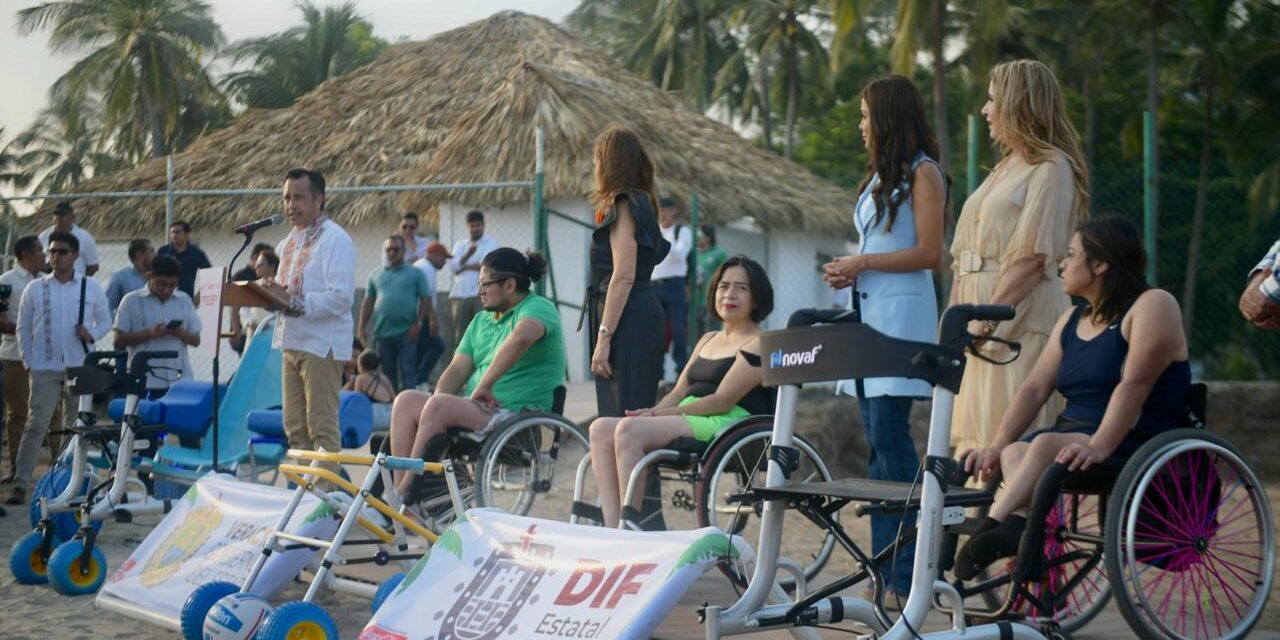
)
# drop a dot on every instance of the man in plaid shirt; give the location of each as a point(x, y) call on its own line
point(1260, 302)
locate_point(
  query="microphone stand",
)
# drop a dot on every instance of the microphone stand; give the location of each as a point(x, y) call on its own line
point(217, 351)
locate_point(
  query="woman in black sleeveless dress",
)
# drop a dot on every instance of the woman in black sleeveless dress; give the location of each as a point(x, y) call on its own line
point(626, 318)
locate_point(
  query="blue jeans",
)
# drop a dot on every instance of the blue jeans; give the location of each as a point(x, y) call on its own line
point(430, 348)
point(671, 293)
point(399, 360)
point(893, 457)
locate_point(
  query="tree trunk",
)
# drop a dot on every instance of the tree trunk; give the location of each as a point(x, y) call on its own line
point(1153, 105)
point(793, 90)
point(1197, 219)
point(938, 33)
point(1089, 93)
point(154, 119)
point(766, 106)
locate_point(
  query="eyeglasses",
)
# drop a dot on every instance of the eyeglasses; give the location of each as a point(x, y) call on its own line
point(495, 281)
point(393, 249)
point(59, 252)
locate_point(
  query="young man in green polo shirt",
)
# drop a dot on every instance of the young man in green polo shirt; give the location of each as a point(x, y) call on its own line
point(511, 357)
point(397, 299)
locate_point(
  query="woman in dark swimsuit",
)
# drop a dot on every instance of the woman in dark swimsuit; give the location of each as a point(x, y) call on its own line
point(719, 385)
point(1120, 360)
point(625, 245)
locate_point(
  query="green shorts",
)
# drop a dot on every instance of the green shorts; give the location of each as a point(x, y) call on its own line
point(706, 427)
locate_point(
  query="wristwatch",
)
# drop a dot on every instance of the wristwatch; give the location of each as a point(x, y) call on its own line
point(604, 331)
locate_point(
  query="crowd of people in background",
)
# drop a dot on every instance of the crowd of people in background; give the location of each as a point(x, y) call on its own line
point(1094, 380)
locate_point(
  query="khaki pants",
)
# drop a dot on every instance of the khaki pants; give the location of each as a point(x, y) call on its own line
point(463, 311)
point(48, 393)
point(13, 378)
point(310, 386)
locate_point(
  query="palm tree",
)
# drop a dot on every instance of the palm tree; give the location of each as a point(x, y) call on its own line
point(1209, 24)
point(63, 146)
point(779, 33)
point(329, 43)
point(927, 19)
point(137, 51)
point(14, 174)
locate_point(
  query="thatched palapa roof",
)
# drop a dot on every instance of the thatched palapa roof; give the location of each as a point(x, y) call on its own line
point(463, 106)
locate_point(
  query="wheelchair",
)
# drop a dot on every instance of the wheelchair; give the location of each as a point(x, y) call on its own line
point(714, 481)
point(1180, 534)
point(518, 465)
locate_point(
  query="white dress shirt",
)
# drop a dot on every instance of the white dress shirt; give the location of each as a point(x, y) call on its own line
point(47, 319)
point(140, 310)
point(429, 270)
point(466, 284)
point(88, 247)
point(676, 264)
point(328, 291)
point(17, 278)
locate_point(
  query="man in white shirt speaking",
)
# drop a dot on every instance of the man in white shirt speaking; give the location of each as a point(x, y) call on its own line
point(318, 276)
point(61, 315)
point(464, 298)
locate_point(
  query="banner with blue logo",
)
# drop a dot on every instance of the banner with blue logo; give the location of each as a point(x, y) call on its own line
point(215, 532)
point(494, 575)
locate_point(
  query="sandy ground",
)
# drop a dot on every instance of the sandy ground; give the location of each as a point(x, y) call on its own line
point(39, 612)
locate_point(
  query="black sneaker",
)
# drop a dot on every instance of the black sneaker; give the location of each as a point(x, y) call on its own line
point(17, 496)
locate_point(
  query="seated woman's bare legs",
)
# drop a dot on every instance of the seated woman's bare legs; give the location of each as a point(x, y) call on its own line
point(1028, 464)
point(404, 422)
point(604, 467)
point(438, 414)
point(1001, 532)
point(634, 437)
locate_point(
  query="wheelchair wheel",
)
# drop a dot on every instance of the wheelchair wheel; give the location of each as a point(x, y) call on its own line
point(1190, 543)
point(526, 466)
point(1065, 559)
point(737, 462)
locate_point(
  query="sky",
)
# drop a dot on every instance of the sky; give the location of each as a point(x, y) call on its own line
point(27, 67)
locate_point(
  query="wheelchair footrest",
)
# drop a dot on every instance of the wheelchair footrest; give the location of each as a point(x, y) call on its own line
point(881, 493)
point(588, 511)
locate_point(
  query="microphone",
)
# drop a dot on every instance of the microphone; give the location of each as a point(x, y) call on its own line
point(258, 224)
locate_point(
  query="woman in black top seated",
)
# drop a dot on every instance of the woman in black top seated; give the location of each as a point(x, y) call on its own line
point(719, 385)
point(1120, 360)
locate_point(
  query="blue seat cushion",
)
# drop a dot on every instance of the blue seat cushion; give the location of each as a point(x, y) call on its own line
point(189, 407)
point(152, 412)
point(355, 420)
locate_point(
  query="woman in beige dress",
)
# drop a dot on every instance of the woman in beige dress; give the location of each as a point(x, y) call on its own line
point(1012, 233)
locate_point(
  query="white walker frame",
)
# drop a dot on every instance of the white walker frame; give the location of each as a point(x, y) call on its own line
point(750, 614)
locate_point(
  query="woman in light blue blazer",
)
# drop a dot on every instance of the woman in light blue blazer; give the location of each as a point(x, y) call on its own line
point(899, 217)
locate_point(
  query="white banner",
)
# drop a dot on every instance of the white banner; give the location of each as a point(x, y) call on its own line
point(208, 301)
point(215, 532)
point(495, 575)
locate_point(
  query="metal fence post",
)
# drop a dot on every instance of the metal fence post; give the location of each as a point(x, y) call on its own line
point(692, 327)
point(539, 210)
point(168, 195)
point(1149, 193)
point(971, 172)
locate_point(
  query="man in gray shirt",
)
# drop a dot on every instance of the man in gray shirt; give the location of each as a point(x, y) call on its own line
point(133, 277)
point(158, 317)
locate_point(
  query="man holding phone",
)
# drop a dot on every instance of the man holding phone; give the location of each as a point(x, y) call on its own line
point(159, 317)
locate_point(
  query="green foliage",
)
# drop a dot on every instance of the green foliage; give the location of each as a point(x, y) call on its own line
point(287, 65)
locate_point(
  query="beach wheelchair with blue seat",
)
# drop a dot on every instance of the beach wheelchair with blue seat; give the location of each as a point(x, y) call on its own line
point(1185, 541)
point(99, 476)
point(269, 442)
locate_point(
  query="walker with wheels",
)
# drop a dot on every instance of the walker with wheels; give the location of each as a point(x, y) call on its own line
point(107, 483)
point(1184, 528)
point(214, 603)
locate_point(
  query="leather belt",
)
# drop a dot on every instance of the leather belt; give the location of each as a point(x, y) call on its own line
point(971, 262)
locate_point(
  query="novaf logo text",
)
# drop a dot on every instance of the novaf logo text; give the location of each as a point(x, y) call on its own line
point(781, 358)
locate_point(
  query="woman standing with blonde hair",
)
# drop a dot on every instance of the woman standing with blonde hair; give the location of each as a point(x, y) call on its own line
point(1012, 233)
